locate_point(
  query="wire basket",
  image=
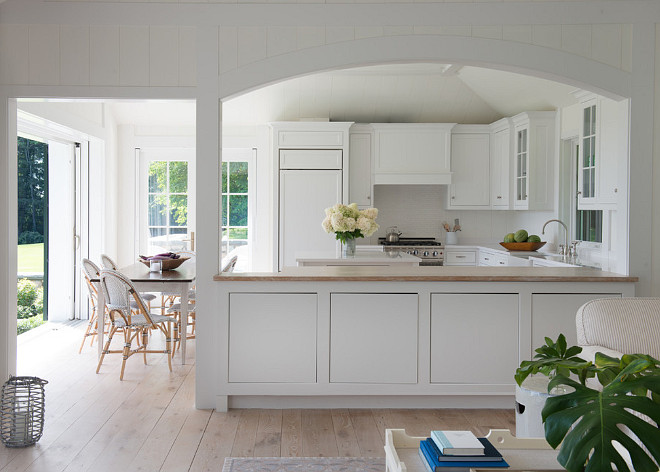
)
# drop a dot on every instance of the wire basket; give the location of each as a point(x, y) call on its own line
point(22, 411)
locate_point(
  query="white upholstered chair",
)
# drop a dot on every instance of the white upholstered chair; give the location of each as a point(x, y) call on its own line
point(616, 326)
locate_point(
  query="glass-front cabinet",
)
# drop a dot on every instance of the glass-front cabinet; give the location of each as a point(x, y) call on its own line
point(522, 163)
point(533, 173)
point(587, 179)
point(603, 146)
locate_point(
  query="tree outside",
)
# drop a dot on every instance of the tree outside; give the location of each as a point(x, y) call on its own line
point(32, 180)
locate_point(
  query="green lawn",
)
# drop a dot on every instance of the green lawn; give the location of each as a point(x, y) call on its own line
point(30, 258)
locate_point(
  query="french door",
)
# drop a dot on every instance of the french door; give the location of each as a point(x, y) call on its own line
point(166, 200)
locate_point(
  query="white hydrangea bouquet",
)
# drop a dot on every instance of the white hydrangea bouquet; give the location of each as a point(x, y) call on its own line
point(347, 222)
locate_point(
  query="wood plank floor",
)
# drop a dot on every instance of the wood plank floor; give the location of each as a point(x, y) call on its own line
point(148, 421)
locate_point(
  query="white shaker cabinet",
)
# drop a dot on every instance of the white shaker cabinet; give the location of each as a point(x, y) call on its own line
point(500, 165)
point(359, 166)
point(272, 337)
point(534, 159)
point(554, 313)
point(466, 329)
point(603, 139)
point(412, 153)
point(470, 167)
point(373, 337)
point(460, 256)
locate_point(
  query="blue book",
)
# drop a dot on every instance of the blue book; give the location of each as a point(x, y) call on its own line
point(434, 465)
point(490, 453)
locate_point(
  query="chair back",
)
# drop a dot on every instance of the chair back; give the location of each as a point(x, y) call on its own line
point(108, 263)
point(118, 291)
point(229, 266)
point(627, 325)
point(90, 271)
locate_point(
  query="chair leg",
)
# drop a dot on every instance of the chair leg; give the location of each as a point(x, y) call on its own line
point(126, 352)
point(106, 348)
point(145, 341)
point(169, 345)
point(92, 320)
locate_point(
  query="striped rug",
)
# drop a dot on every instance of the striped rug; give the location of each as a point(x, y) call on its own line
point(304, 464)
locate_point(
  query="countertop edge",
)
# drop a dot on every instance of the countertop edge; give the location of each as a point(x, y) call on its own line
point(421, 278)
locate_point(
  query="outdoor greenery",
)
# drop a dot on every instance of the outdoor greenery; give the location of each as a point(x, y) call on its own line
point(235, 198)
point(32, 179)
point(168, 185)
point(587, 421)
point(30, 258)
point(30, 301)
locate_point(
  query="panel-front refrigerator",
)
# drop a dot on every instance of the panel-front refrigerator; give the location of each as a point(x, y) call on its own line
point(304, 195)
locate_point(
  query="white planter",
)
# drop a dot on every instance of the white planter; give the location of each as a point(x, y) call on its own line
point(530, 400)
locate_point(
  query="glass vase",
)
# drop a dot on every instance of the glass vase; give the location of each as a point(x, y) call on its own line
point(348, 248)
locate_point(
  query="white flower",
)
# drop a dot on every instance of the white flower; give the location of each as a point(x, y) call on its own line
point(370, 213)
point(348, 219)
point(327, 225)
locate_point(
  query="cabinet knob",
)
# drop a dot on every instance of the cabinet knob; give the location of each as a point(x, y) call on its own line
point(616, 190)
point(499, 196)
point(368, 197)
point(452, 197)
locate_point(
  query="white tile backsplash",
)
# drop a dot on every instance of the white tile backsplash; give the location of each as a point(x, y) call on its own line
point(419, 210)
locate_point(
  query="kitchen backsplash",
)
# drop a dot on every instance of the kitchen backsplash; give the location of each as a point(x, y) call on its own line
point(419, 210)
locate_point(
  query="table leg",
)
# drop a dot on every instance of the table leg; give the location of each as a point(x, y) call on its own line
point(184, 321)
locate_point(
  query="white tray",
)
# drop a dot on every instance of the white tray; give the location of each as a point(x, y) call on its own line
point(522, 454)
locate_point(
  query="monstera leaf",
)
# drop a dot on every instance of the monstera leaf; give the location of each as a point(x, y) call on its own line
point(589, 421)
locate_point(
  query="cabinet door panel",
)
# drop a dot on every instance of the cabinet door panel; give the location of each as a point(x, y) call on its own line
point(474, 338)
point(373, 338)
point(359, 173)
point(272, 337)
point(499, 170)
point(470, 166)
point(554, 313)
point(304, 194)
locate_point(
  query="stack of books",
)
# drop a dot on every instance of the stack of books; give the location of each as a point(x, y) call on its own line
point(458, 451)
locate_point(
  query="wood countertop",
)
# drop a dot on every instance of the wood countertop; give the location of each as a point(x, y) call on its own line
point(429, 274)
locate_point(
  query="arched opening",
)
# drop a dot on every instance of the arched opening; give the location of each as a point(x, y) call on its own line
point(436, 91)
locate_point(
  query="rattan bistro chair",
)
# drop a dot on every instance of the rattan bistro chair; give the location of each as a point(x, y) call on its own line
point(91, 271)
point(108, 263)
point(118, 291)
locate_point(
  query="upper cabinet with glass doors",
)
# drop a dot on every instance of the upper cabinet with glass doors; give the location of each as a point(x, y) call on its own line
point(533, 167)
point(603, 140)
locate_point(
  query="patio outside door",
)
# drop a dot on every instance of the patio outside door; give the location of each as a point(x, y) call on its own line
point(166, 220)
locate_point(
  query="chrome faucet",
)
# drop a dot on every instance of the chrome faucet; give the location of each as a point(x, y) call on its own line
point(562, 250)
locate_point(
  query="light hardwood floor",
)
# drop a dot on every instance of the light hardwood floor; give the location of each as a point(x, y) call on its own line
point(148, 421)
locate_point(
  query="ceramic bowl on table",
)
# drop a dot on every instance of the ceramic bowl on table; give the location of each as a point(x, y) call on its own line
point(523, 246)
point(168, 264)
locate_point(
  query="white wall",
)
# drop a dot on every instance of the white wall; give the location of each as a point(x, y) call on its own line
point(209, 51)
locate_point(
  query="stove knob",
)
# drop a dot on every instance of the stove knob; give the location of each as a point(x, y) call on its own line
point(435, 253)
point(414, 252)
point(426, 253)
point(408, 252)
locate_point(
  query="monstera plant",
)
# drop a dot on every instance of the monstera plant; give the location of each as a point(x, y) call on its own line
point(588, 422)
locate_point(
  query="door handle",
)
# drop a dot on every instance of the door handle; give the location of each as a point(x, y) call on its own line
point(76, 239)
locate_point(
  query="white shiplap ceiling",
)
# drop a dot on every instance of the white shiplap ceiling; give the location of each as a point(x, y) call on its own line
point(404, 93)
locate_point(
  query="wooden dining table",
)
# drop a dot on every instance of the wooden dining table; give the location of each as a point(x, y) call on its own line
point(179, 280)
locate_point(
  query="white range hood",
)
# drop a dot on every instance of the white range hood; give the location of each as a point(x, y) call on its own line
point(412, 153)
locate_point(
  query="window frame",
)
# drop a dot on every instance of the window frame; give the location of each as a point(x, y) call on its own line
point(143, 159)
point(240, 155)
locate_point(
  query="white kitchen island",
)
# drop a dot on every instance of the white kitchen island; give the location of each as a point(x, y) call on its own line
point(320, 337)
point(361, 258)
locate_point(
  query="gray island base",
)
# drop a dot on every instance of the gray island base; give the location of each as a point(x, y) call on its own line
point(321, 337)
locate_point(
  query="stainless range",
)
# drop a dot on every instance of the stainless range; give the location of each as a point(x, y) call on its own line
point(428, 249)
